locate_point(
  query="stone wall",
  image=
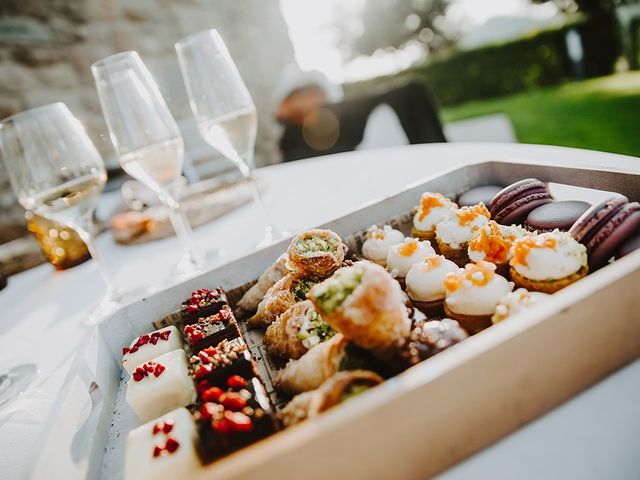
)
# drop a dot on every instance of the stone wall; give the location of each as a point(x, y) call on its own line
point(47, 47)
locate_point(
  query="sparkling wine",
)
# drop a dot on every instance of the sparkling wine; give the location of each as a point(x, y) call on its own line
point(70, 201)
point(156, 165)
point(233, 134)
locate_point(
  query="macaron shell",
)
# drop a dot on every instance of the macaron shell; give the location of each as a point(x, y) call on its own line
point(476, 195)
point(516, 212)
point(514, 191)
point(588, 225)
point(629, 246)
point(613, 234)
point(561, 215)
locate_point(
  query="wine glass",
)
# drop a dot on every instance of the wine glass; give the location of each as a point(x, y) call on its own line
point(56, 171)
point(222, 106)
point(147, 140)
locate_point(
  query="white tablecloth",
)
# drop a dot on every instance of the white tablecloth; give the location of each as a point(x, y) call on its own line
point(41, 312)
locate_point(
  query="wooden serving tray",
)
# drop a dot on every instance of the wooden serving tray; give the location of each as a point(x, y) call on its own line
point(415, 424)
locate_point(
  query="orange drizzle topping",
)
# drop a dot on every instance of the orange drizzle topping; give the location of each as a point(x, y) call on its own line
point(377, 234)
point(479, 274)
point(466, 215)
point(408, 248)
point(429, 201)
point(431, 263)
point(524, 246)
point(492, 243)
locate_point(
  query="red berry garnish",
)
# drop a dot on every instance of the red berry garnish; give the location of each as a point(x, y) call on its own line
point(236, 382)
point(157, 451)
point(154, 339)
point(212, 394)
point(137, 376)
point(224, 315)
point(143, 340)
point(171, 445)
point(222, 426)
point(202, 386)
point(233, 401)
point(204, 357)
point(125, 350)
point(203, 371)
point(211, 351)
point(192, 308)
point(158, 370)
point(239, 421)
point(207, 410)
point(157, 427)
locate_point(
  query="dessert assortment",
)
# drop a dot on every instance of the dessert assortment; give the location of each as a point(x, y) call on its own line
point(337, 316)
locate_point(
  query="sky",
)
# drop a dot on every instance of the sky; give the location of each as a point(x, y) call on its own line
point(315, 48)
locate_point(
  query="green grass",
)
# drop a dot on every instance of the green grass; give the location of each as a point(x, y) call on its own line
point(601, 114)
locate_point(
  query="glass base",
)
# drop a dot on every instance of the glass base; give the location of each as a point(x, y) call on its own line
point(15, 381)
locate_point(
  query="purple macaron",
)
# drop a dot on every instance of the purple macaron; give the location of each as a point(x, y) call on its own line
point(483, 194)
point(555, 215)
point(630, 245)
point(605, 227)
point(512, 204)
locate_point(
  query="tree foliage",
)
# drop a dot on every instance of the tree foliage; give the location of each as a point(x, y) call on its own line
point(381, 24)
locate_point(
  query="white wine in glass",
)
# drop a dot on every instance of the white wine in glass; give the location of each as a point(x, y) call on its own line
point(223, 108)
point(56, 171)
point(147, 141)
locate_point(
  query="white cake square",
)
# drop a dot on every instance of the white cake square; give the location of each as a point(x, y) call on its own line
point(149, 346)
point(160, 385)
point(164, 448)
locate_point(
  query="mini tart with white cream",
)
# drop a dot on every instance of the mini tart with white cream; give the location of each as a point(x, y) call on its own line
point(425, 284)
point(473, 293)
point(454, 233)
point(433, 208)
point(494, 243)
point(403, 256)
point(548, 262)
point(376, 246)
point(515, 302)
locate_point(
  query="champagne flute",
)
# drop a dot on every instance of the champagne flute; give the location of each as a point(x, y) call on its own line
point(222, 106)
point(56, 171)
point(147, 139)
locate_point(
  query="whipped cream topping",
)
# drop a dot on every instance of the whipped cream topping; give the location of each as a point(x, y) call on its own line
point(434, 207)
point(515, 302)
point(403, 256)
point(548, 256)
point(376, 246)
point(462, 225)
point(494, 243)
point(475, 289)
point(425, 280)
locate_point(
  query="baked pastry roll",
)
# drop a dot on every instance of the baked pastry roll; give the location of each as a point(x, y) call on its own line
point(316, 253)
point(337, 389)
point(250, 300)
point(289, 290)
point(366, 305)
point(314, 367)
point(296, 331)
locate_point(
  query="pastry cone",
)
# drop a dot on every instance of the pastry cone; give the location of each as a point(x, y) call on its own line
point(335, 390)
point(296, 331)
point(286, 292)
point(314, 367)
point(459, 255)
point(471, 323)
point(424, 235)
point(316, 253)
point(251, 298)
point(366, 305)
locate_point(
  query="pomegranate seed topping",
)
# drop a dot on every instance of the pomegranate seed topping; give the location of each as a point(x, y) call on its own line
point(233, 401)
point(149, 366)
point(158, 370)
point(171, 445)
point(236, 382)
point(195, 337)
point(157, 427)
point(137, 376)
point(222, 426)
point(165, 335)
point(239, 421)
point(154, 339)
point(133, 349)
point(125, 350)
point(168, 426)
point(212, 394)
point(192, 308)
point(211, 351)
point(157, 451)
point(202, 386)
point(143, 340)
point(204, 356)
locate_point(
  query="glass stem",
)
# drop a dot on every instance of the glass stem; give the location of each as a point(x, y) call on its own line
point(182, 228)
point(84, 228)
point(248, 173)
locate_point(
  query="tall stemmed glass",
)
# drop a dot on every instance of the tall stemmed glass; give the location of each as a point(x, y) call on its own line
point(146, 138)
point(56, 171)
point(222, 106)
